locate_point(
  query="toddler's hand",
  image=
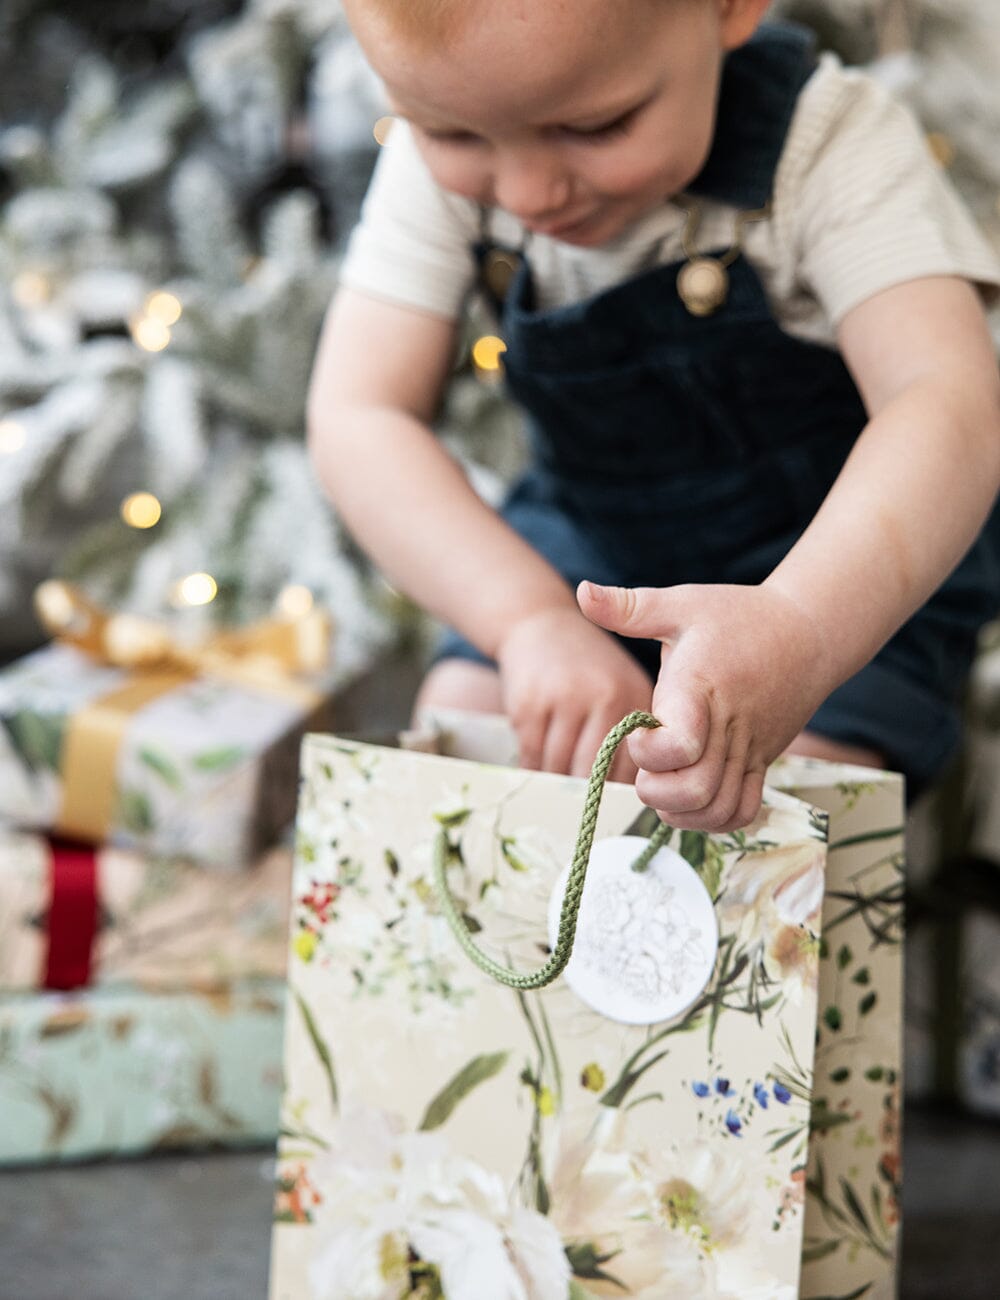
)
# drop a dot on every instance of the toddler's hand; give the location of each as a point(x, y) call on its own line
point(742, 671)
point(565, 685)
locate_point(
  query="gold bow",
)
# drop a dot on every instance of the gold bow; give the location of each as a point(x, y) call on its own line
point(269, 655)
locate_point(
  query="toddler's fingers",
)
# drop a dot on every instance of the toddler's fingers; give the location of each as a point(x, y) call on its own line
point(560, 743)
point(645, 612)
point(531, 728)
point(677, 804)
point(682, 737)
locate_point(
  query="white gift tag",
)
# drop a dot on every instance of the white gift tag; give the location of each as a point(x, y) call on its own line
point(646, 941)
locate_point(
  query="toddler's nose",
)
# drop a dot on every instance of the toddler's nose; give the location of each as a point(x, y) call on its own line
point(531, 186)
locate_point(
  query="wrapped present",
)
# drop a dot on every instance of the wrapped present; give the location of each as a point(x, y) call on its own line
point(704, 1103)
point(74, 914)
point(115, 734)
point(116, 1072)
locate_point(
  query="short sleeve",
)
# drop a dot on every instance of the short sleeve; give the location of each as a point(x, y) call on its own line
point(866, 203)
point(412, 244)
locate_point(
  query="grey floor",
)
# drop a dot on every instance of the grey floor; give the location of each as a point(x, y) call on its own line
point(197, 1227)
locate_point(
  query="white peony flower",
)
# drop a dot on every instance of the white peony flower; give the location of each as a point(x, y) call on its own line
point(602, 1200)
point(392, 1193)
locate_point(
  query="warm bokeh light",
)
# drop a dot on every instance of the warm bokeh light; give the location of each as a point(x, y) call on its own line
point(31, 289)
point(942, 147)
point(486, 352)
point(195, 589)
point(150, 334)
point(164, 306)
point(294, 601)
point(141, 510)
point(12, 437)
point(382, 128)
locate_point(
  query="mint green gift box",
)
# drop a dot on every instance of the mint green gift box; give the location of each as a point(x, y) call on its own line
point(120, 1072)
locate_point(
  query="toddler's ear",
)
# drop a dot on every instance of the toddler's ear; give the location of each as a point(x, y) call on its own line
point(740, 19)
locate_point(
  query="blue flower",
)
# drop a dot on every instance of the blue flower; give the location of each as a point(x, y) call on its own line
point(699, 1089)
point(722, 1088)
point(760, 1093)
point(782, 1094)
point(733, 1123)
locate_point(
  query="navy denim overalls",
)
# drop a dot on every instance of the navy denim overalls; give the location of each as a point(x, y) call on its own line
point(672, 448)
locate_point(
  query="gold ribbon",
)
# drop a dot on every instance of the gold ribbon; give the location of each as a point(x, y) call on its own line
point(265, 656)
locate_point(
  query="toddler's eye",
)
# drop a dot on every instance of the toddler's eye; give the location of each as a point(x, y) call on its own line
point(605, 131)
point(451, 137)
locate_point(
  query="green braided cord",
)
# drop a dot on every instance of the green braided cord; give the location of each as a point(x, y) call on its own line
point(574, 884)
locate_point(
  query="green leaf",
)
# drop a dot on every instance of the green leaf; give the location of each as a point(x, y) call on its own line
point(392, 862)
point(841, 1075)
point(452, 819)
point(820, 1251)
point(135, 812)
point(510, 857)
point(693, 847)
point(620, 1089)
point(478, 1070)
point(853, 1295)
point(875, 1074)
point(832, 1018)
point(220, 759)
point(162, 766)
point(862, 977)
point(318, 1041)
point(645, 824)
point(587, 1262)
point(37, 737)
point(822, 1118)
point(854, 1205)
point(844, 957)
point(867, 1002)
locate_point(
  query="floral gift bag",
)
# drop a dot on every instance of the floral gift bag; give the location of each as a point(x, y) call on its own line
point(703, 1102)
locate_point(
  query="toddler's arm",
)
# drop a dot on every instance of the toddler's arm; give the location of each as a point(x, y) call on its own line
point(378, 378)
point(744, 668)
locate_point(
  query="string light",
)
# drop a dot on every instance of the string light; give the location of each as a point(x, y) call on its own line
point(141, 510)
point(486, 354)
point(149, 333)
point(164, 306)
point(381, 129)
point(31, 289)
point(294, 601)
point(12, 437)
point(195, 589)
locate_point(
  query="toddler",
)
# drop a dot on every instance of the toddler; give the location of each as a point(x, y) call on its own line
point(742, 313)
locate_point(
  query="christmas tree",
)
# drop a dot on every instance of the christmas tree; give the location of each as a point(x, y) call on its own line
point(169, 240)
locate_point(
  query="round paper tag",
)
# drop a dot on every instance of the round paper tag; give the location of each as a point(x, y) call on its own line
point(646, 941)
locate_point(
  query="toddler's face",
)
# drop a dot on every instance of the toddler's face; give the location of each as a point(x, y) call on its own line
point(576, 116)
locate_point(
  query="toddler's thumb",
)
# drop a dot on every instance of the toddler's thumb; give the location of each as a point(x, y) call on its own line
point(629, 611)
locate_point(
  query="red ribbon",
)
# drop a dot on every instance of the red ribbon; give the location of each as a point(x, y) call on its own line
point(73, 915)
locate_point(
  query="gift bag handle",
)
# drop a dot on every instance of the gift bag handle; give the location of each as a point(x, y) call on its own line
point(577, 875)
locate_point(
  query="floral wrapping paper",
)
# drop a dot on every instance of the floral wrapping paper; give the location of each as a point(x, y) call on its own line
point(447, 1138)
point(116, 1072)
point(206, 772)
point(162, 923)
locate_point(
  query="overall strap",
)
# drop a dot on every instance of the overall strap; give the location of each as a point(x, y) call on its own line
point(761, 84)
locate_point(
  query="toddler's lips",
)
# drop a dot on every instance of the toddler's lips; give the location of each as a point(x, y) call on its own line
point(559, 229)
